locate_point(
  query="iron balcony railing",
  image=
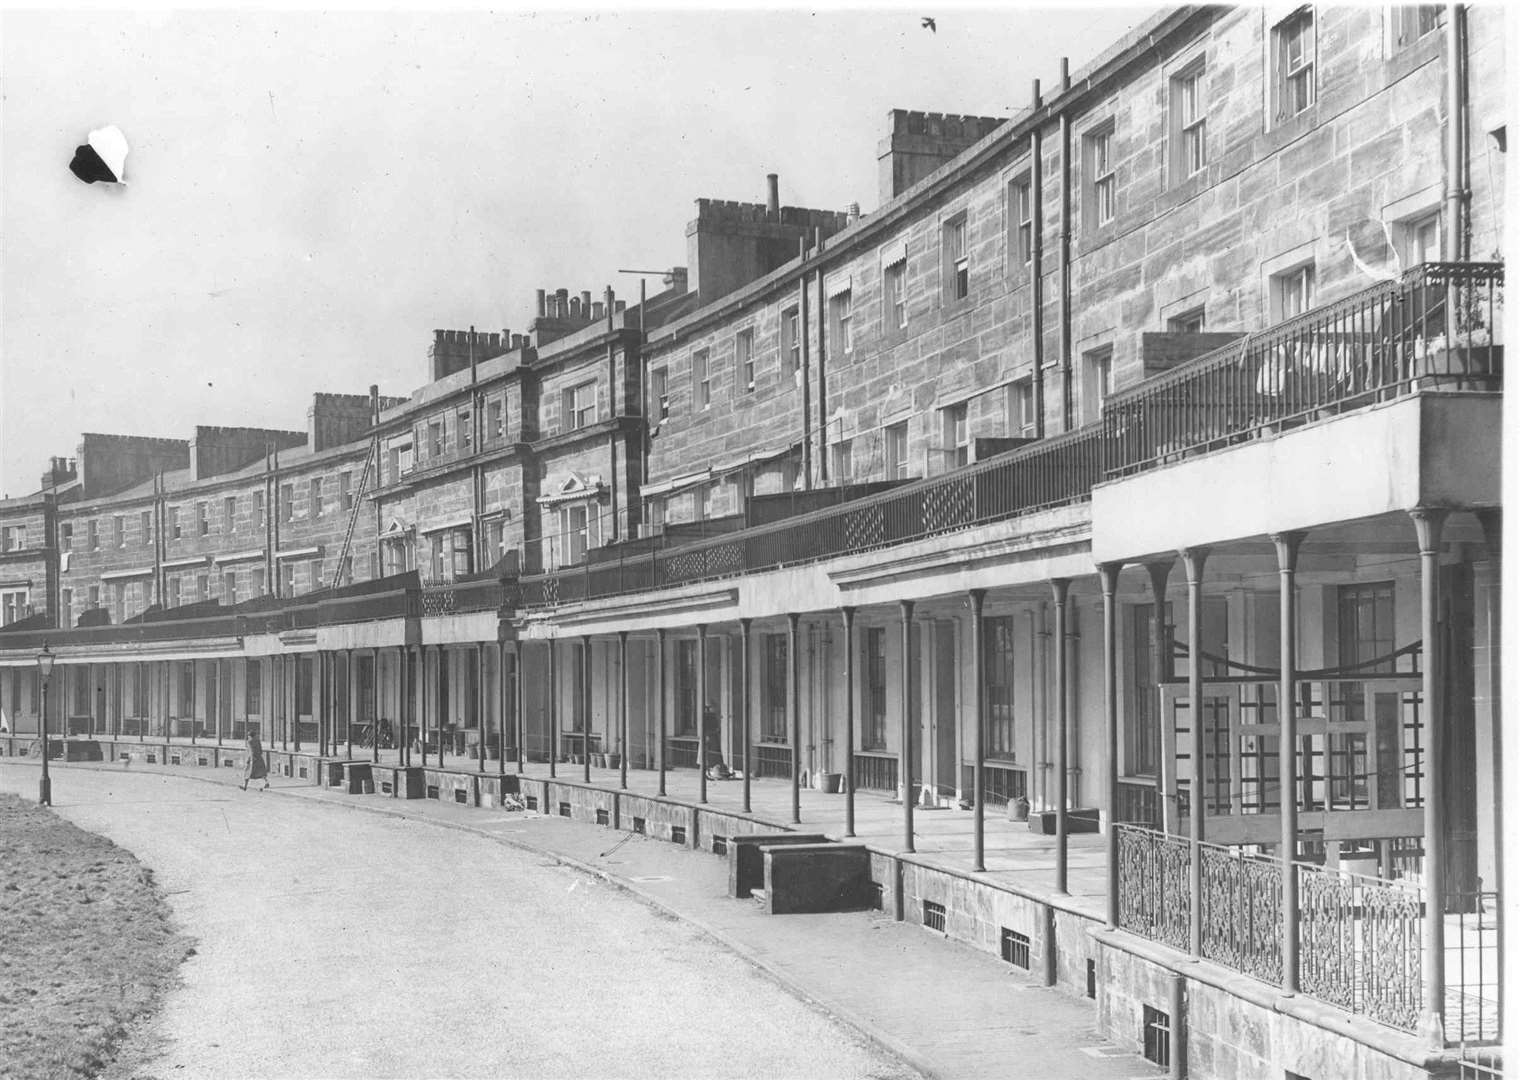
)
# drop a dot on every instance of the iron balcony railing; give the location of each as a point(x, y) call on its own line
point(1054, 472)
point(1436, 326)
point(1361, 937)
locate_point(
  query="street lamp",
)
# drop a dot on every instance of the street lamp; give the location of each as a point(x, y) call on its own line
point(45, 669)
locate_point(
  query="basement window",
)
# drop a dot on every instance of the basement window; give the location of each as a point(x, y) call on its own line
point(1015, 948)
point(933, 916)
point(677, 834)
point(1157, 1037)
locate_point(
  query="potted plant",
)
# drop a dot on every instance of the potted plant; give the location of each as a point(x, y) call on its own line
point(614, 759)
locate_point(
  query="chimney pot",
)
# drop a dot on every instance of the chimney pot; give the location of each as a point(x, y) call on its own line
point(543, 304)
point(598, 309)
point(1065, 73)
point(585, 303)
point(773, 200)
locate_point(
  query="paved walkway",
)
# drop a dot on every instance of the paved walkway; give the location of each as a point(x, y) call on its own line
point(947, 1009)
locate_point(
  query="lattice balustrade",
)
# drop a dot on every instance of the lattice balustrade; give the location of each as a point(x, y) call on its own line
point(865, 528)
point(949, 505)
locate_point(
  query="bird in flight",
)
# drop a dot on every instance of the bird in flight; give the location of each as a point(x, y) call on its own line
point(930, 25)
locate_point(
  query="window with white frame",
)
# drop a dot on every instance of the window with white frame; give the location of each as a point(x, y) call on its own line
point(956, 259)
point(258, 581)
point(1418, 239)
point(659, 393)
point(66, 604)
point(465, 425)
point(896, 451)
point(287, 505)
point(1020, 220)
point(345, 490)
point(701, 379)
point(1097, 382)
point(1023, 422)
point(229, 515)
point(435, 444)
point(1189, 122)
point(791, 340)
point(955, 437)
point(1293, 49)
point(495, 540)
point(576, 523)
point(841, 315)
point(287, 579)
point(894, 294)
point(14, 605)
point(145, 524)
point(1102, 180)
point(495, 419)
point(119, 530)
point(229, 587)
point(1291, 292)
point(843, 461)
point(15, 537)
point(65, 536)
point(94, 595)
point(743, 356)
point(579, 406)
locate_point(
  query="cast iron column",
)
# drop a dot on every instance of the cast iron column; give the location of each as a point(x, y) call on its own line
point(794, 707)
point(907, 700)
point(1061, 588)
point(659, 706)
point(553, 710)
point(1429, 523)
point(848, 613)
point(519, 688)
point(1193, 559)
point(1287, 545)
point(1109, 575)
point(744, 692)
point(978, 675)
point(585, 701)
point(623, 710)
point(701, 709)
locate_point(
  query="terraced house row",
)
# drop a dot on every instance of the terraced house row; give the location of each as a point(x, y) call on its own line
point(1133, 467)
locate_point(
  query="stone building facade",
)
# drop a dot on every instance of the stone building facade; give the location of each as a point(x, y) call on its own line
point(1134, 463)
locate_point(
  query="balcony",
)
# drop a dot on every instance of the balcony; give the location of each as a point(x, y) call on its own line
point(1434, 328)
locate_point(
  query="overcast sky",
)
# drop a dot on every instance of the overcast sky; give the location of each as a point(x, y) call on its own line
point(310, 195)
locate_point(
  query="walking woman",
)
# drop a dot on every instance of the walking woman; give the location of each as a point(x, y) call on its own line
point(257, 766)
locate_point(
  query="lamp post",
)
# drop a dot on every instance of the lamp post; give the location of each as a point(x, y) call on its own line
point(45, 670)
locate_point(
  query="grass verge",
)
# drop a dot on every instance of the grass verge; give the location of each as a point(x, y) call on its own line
point(86, 945)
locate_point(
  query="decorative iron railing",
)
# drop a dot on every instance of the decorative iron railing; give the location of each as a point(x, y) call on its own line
point(1154, 891)
point(1360, 944)
point(1242, 912)
point(1050, 473)
point(1360, 937)
point(1435, 326)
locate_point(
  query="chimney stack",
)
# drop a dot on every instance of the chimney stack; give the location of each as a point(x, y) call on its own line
point(773, 200)
point(562, 304)
point(543, 304)
point(854, 212)
point(1065, 73)
point(585, 303)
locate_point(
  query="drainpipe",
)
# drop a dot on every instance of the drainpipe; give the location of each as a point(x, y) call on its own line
point(1036, 265)
point(1065, 254)
point(802, 333)
point(1455, 238)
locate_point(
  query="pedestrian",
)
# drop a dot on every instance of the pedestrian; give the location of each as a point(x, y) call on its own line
point(257, 766)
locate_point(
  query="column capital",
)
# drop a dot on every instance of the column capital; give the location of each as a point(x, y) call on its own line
point(907, 606)
point(1160, 572)
point(701, 630)
point(793, 618)
point(1429, 523)
point(977, 599)
point(1287, 545)
point(1491, 520)
point(1193, 559)
point(744, 624)
point(1060, 588)
point(1108, 573)
point(847, 611)
point(622, 636)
